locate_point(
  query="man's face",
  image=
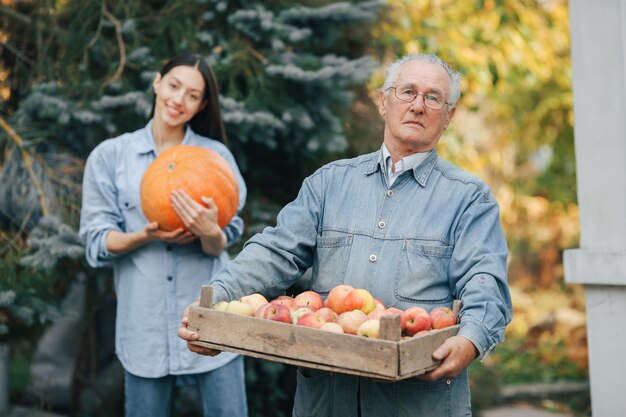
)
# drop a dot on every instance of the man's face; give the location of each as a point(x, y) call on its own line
point(413, 127)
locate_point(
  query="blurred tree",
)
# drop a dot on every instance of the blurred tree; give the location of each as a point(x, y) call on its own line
point(73, 73)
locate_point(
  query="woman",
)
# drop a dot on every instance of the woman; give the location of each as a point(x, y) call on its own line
point(158, 273)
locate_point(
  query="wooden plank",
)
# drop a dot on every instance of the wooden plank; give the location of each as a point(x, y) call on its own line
point(295, 342)
point(391, 328)
point(298, 362)
point(415, 354)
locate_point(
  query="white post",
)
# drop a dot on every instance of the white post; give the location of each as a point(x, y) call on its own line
point(598, 42)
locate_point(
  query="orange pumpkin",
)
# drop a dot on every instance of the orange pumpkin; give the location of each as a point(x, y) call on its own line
point(200, 172)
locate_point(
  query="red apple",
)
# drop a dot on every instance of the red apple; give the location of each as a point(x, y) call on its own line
point(336, 296)
point(285, 300)
point(369, 328)
point(332, 327)
point(421, 332)
point(241, 308)
point(327, 314)
point(300, 311)
point(359, 299)
point(379, 304)
point(442, 317)
point(377, 314)
point(351, 320)
point(309, 299)
point(278, 312)
point(310, 320)
point(415, 319)
point(259, 311)
point(256, 300)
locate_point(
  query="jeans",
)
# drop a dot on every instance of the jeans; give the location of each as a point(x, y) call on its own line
point(222, 393)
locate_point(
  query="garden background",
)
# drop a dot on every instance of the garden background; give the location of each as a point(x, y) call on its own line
point(298, 85)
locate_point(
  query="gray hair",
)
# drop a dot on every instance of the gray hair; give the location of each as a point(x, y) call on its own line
point(455, 76)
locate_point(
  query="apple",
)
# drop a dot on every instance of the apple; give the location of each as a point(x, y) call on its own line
point(309, 299)
point(369, 328)
point(336, 296)
point(332, 327)
point(351, 320)
point(241, 308)
point(359, 299)
point(394, 310)
point(415, 319)
point(310, 320)
point(221, 306)
point(442, 317)
point(379, 304)
point(278, 312)
point(259, 311)
point(327, 314)
point(377, 314)
point(285, 300)
point(421, 332)
point(301, 311)
point(256, 300)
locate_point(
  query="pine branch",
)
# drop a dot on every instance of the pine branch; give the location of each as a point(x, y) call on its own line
point(120, 43)
point(27, 163)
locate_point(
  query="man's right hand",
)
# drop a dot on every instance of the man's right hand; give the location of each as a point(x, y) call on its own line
point(191, 336)
point(179, 236)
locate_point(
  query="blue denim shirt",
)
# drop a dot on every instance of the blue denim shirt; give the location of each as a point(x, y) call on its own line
point(155, 282)
point(432, 237)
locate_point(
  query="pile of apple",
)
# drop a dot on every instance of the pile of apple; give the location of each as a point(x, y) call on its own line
point(345, 310)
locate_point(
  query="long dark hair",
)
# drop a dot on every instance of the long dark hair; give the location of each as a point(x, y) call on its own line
point(208, 121)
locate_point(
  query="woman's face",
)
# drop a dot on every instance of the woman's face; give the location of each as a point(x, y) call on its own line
point(179, 95)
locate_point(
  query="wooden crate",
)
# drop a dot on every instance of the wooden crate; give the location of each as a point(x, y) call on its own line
point(386, 358)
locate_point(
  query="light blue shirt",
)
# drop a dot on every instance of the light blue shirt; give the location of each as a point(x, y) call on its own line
point(156, 282)
point(431, 237)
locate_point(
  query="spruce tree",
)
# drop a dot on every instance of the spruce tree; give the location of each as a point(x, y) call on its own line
point(79, 72)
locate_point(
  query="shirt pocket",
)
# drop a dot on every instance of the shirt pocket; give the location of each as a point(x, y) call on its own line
point(422, 274)
point(330, 263)
point(130, 207)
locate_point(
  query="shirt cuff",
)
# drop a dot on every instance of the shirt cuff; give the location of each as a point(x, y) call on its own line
point(477, 333)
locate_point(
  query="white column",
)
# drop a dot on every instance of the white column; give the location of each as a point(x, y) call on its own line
point(598, 41)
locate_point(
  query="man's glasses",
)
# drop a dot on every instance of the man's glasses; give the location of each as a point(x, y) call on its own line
point(431, 100)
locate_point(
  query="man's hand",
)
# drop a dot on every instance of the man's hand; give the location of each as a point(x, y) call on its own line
point(456, 354)
point(189, 336)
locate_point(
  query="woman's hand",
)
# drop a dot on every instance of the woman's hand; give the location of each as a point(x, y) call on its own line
point(179, 236)
point(201, 221)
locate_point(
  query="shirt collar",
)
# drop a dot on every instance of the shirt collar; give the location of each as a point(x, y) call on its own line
point(146, 144)
point(421, 169)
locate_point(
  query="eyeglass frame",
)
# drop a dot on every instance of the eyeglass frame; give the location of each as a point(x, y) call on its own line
point(395, 93)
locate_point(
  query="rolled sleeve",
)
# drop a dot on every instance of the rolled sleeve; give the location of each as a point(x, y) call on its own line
point(99, 210)
point(478, 272)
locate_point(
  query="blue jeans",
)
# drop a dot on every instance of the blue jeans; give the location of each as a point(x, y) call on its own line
point(222, 393)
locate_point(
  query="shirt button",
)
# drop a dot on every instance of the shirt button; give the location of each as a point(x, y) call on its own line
point(389, 193)
point(373, 258)
point(169, 278)
point(168, 248)
point(381, 225)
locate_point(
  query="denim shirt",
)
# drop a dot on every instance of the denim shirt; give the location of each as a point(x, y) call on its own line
point(156, 282)
point(432, 237)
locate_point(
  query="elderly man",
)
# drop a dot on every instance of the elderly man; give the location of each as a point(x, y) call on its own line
point(408, 226)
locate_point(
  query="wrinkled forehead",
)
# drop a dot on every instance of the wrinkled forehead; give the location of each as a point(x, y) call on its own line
point(423, 74)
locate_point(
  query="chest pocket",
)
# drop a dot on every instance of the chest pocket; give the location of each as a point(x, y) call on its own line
point(422, 274)
point(130, 207)
point(330, 262)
